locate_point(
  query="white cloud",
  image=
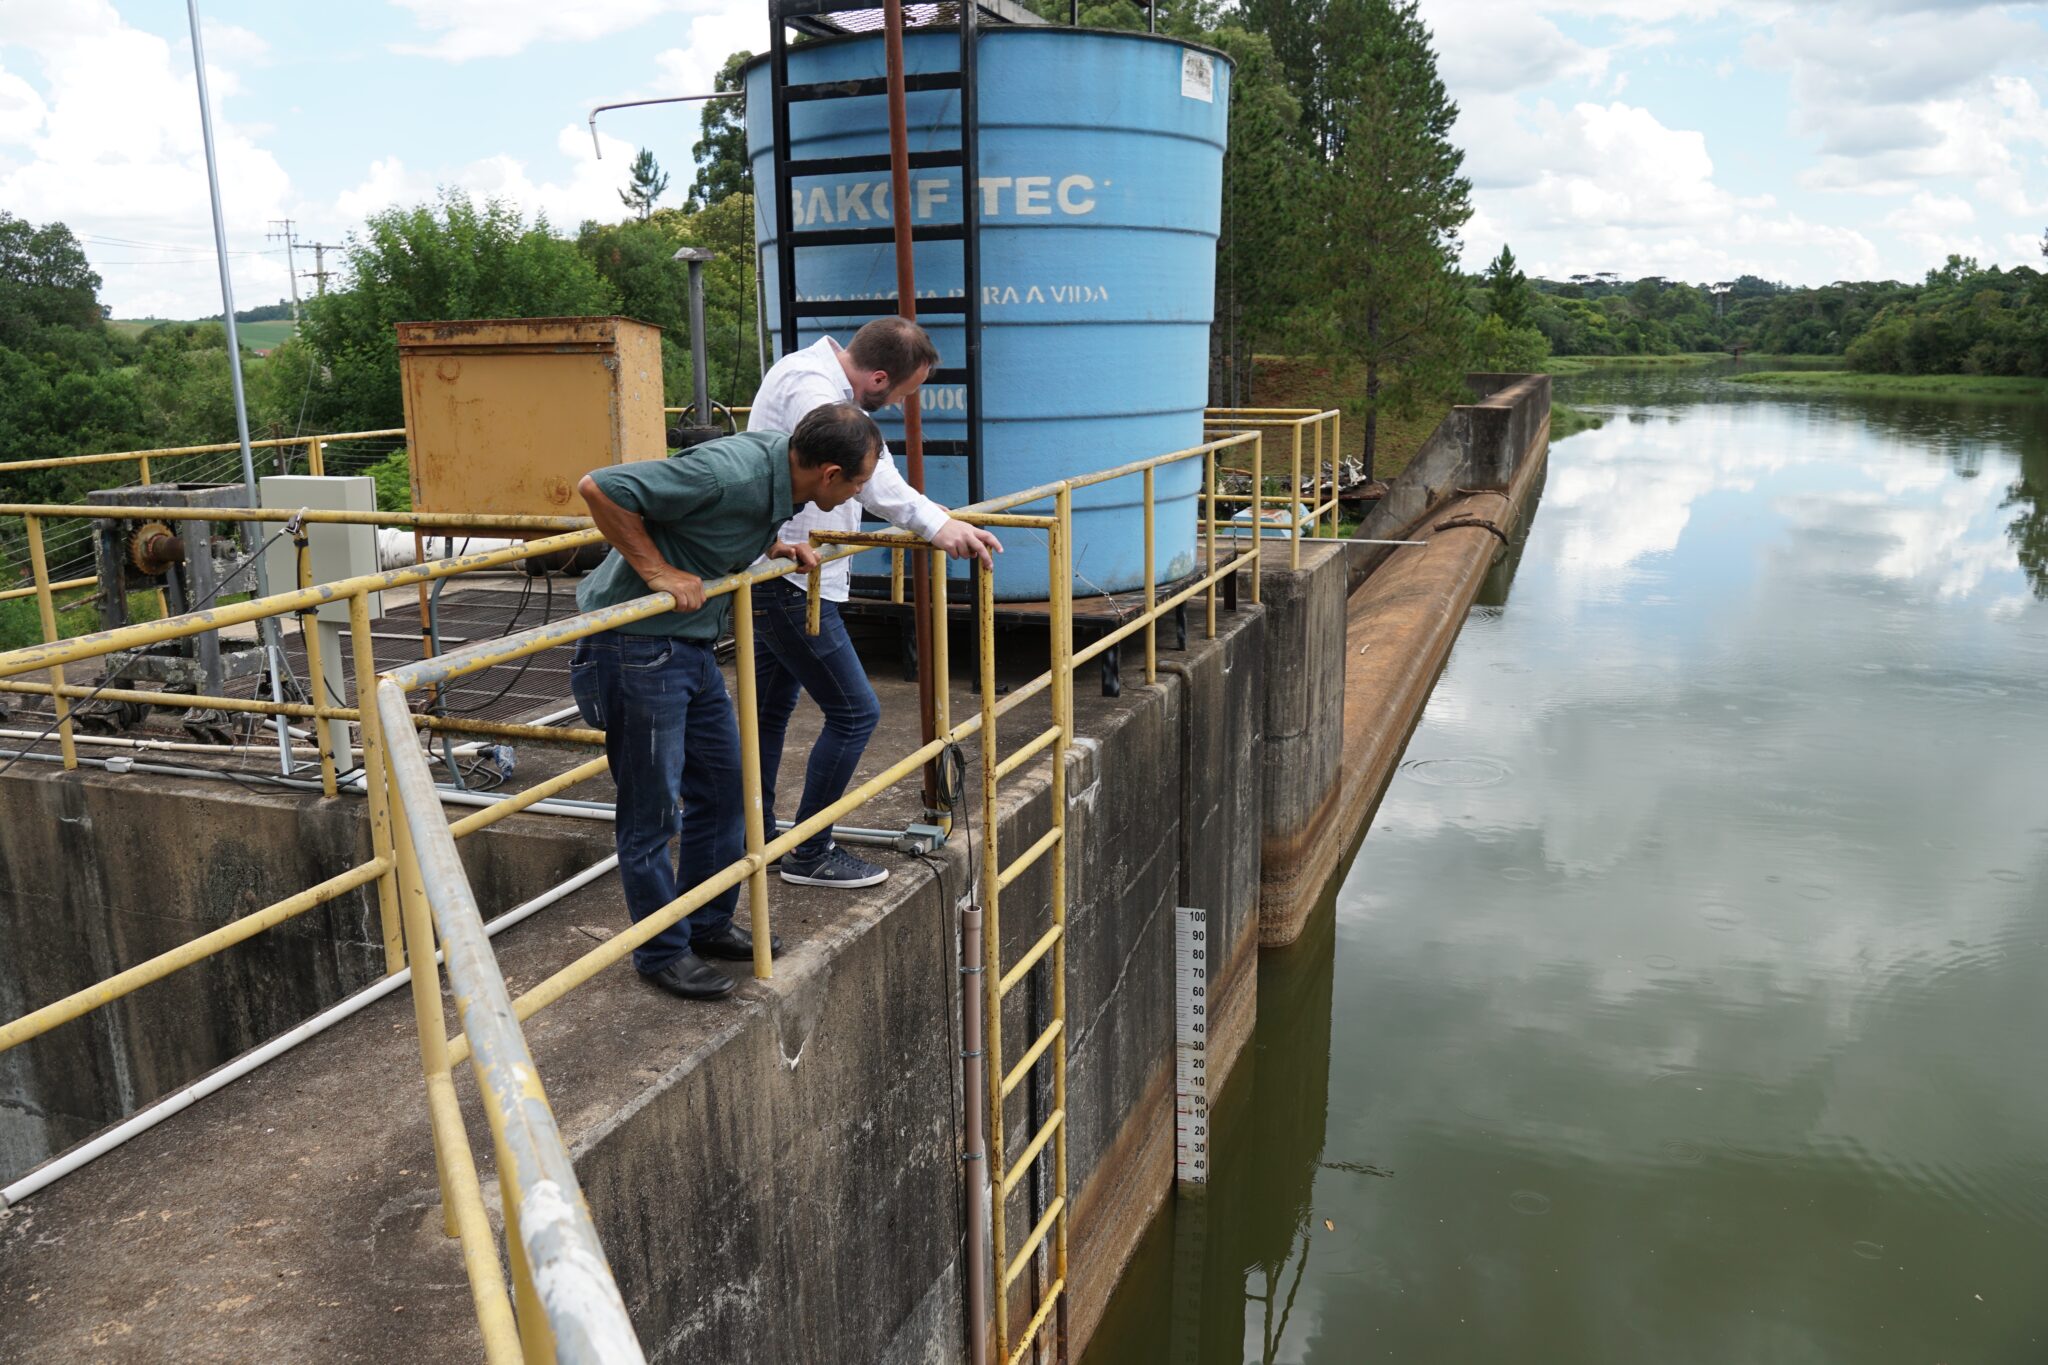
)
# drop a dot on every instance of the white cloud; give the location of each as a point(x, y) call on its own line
point(465, 29)
point(692, 69)
point(108, 141)
point(589, 189)
point(1492, 49)
point(1618, 190)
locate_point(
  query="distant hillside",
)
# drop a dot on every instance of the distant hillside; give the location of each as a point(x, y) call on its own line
point(256, 336)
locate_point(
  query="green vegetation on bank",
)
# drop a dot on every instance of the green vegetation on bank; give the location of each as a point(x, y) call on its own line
point(2022, 388)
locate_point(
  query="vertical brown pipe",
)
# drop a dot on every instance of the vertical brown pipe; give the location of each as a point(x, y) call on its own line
point(913, 416)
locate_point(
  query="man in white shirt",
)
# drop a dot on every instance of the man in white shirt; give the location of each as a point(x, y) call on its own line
point(886, 363)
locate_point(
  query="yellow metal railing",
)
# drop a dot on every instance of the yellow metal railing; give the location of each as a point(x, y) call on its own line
point(1307, 429)
point(421, 888)
point(316, 447)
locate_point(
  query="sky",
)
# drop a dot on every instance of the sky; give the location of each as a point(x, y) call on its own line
point(1698, 139)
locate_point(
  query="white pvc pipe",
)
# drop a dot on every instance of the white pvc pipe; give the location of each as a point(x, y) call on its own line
point(395, 549)
point(142, 1120)
point(166, 745)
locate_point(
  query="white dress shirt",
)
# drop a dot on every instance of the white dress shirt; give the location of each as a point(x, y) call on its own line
point(795, 385)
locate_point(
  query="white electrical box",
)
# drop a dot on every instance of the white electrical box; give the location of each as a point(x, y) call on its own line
point(338, 552)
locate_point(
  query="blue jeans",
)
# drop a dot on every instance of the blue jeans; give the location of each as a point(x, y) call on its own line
point(668, 732)
point(788, 660)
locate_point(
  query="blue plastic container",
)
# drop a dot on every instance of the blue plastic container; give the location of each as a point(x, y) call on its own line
point(1101, 185)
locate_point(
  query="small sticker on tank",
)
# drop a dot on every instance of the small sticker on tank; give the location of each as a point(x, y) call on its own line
point(1198, 76)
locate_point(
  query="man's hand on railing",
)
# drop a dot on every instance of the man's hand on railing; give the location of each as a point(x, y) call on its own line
point(962, 541)
point(686, 588)
point(805, 556)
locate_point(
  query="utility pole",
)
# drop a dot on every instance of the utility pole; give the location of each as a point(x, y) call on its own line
point(291, 261)
point(320, 272)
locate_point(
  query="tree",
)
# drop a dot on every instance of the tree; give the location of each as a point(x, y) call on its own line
point(1508, 290)
point(647, 183)
point(1259, 253)
point(429, 263)
point(721, 154)
point(45, 280)
point(1391, 204)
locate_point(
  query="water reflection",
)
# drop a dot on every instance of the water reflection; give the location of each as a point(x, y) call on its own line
point(1683, 1003)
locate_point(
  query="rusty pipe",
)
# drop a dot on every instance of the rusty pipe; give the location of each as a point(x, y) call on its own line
point(913, 414)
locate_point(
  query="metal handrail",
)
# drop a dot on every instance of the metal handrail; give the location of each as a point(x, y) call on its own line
point(314, 444)
point(567, 1305)
point(558, 1264)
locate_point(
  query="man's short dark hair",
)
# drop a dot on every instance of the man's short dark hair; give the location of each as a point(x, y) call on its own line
point(897, 347)
point(837, 433)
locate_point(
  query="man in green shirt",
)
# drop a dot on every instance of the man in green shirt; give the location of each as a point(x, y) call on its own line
point(654, 687)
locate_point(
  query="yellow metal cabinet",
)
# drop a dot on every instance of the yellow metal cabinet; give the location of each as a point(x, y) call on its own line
point(507, 415)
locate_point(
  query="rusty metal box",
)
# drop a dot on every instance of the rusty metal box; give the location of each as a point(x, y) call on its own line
point(506, 415)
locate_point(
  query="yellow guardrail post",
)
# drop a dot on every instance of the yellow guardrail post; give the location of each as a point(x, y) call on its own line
point(316, 458)
point(46, 608)
point(942, 662)
point(896, 577)
point(418, 926)
point(144, 462)
point(373, 774)
point(1152, 587)
point(1063, 717)
point(1209, 473)
point(1258, 513)
point(750, 772)
point(1294, 497)
point(536, 1339)
point(309, 632)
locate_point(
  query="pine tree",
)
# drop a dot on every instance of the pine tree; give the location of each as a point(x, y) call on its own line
point(1393, 204)
point(1258, 256)
point(1508, 290)
point(648, 182)
point(721, 154)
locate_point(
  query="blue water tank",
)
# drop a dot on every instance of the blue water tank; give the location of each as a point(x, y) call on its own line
point(1100, 189)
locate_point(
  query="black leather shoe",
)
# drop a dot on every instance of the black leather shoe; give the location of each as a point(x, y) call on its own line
point(692, 978)
point(734, 943)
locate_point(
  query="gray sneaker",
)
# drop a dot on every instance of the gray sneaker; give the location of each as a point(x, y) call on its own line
point(834, 867)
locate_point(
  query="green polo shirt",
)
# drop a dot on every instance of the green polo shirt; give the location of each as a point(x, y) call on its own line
point(710, 511)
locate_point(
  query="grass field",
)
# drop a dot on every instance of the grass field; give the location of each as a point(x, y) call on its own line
point(1900, 385)
point(1581, 364)
point(257, 336)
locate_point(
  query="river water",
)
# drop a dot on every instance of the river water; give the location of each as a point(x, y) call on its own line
point(1687, 1000)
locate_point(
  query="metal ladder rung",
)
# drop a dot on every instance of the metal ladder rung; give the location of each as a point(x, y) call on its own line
point(1026, 754)
point(874, 236)
point(1052, 1296)
point(1016, 1172)
point(872, 85)
point(878, 161)
point(1028, 857)
point(1027, 962)
point(1024, 1064)
point(954, 375)
point(1031, 1244)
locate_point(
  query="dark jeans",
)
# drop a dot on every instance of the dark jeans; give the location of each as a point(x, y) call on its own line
point(668, 732)
point(787, 660)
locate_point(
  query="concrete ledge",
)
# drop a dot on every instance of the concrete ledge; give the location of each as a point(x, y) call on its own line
point(1302, 755)
point(1400, 627)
